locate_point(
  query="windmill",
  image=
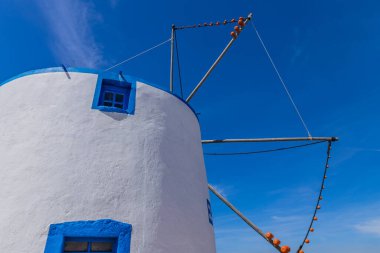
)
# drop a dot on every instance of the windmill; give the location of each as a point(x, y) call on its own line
point(100, 161)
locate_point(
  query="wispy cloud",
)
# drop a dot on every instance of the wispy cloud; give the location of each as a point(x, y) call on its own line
point(349, 152)
point(223, 189)
point(290, 218)
point(370, 227)
point(289, 221)
point(114, 3)
point(73, 41)
point(297, 52)
point(298, 48)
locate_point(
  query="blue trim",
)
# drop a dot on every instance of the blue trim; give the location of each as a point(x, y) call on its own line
point(90, 71)
point(99, 228)
point(210, 219)
point(50, 70)
point(126, 82)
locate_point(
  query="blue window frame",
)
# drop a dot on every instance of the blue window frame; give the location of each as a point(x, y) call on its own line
point(114, 93)
point(101, 236)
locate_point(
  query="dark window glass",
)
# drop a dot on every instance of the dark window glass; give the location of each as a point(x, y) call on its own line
point(112, 99)
point(108, 96)
point(101, 247)
point(76, 247)
point(119, 98)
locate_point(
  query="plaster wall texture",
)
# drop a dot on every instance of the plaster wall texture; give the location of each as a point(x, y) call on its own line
point(62, 161)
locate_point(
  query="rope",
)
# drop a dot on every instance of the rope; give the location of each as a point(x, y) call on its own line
point(264, 151)
point(217, 23)
point(282, 81)
point(317, 206)
point(178, 64)
point(141, 53)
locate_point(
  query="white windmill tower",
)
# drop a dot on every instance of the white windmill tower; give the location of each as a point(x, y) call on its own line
point(109, 163)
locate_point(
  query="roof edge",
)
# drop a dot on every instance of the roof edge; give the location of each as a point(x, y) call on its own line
point(89, 71)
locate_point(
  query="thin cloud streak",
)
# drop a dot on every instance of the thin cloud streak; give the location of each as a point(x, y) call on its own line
point(370, 227)
point(114, 3)
point(291, 224)
point(73, 41)
point(224, 190)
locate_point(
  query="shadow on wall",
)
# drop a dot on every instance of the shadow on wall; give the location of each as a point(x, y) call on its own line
point(116, 116)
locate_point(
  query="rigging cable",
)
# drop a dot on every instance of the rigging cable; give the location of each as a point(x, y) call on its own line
point(317, 206)
point(281, 80)
point(141, 53)
point(178, 63)
point(264, 151)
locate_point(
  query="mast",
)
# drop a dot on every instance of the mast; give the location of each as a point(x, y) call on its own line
point(171, 58)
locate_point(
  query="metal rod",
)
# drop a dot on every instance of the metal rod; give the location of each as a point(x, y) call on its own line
point(171, 58)
point(271, 139)
point(216, 62)
point(245, 219)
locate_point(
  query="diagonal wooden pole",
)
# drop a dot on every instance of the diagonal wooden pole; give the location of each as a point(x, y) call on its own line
point(216, 62)
point(245, 219)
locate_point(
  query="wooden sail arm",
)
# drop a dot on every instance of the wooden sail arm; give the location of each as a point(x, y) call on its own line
point(244, 218)
point(271, 139)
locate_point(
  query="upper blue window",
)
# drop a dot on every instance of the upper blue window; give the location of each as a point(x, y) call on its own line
point(114, 94)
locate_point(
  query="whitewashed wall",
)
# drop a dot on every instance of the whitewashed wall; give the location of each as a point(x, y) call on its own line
point(62, 161)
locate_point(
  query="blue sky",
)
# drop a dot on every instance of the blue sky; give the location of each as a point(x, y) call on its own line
point(328, 53)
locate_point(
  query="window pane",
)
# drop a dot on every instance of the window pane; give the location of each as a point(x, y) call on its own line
point(119, 106)
point(119, 98)
point(107, 104)
point(108, 96)
point(76, 247)
point(101, 247)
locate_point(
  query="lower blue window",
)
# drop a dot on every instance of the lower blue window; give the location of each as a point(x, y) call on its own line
point(101, 236)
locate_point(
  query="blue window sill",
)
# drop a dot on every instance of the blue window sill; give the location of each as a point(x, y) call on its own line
point(112, 109)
